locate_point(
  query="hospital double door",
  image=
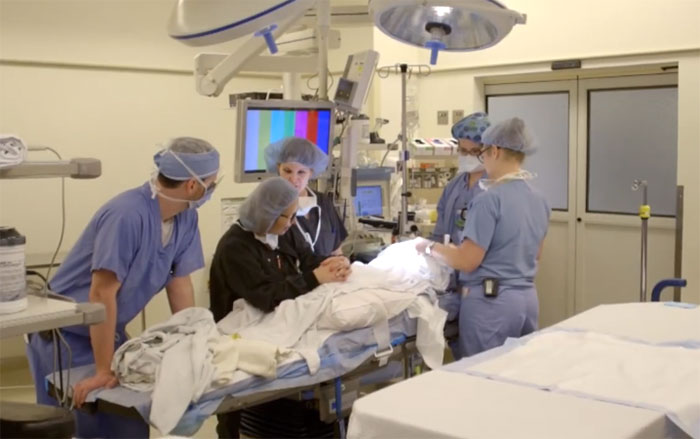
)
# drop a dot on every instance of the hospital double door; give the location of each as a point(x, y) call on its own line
point(595, 137)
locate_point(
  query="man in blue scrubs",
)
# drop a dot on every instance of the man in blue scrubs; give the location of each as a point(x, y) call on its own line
point(141, 241)
point(502, 243)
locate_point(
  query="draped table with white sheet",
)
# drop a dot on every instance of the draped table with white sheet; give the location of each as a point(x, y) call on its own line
point(624, 370)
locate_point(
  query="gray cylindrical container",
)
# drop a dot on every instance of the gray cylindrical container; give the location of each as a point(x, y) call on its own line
point(13, 283)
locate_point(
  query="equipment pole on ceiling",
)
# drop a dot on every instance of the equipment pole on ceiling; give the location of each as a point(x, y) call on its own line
point(324, 22)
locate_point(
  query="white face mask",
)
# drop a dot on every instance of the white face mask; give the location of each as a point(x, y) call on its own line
point(487, 183)
point(469, 163)
point(269, 239)
point(306, 204)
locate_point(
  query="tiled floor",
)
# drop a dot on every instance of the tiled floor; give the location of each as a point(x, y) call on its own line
point(16, 385)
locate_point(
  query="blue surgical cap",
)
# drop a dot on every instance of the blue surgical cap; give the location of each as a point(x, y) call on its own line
point(296, 149)
point(265, 204)
point(198, 155)
point(471, 127)
point(510, 134)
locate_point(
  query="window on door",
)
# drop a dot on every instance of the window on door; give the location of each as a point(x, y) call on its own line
point(632, 134)
point(547, 117)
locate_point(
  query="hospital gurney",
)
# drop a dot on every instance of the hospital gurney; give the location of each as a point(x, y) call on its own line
point(466, 399)
point(346, 358)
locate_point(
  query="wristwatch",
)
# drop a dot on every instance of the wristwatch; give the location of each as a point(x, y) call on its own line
point(429, 248)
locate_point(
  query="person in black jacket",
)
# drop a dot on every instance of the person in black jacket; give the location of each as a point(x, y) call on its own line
point(298, 160)
point(264, 260)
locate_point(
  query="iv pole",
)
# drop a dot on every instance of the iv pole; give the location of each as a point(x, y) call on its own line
point(644, 215)
point(404, 155)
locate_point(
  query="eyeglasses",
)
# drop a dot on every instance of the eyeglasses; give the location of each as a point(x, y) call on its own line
point(469, 152)
point(480, 155)
point(290, 219)
point(215, 183)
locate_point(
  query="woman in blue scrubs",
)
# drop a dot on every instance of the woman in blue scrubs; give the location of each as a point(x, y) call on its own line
point(141, 241)
point(502, 243)
point(298, 160)
point(452, 207)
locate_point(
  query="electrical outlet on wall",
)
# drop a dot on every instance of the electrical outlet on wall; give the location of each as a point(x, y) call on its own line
point(442, 117)
point(457, 115)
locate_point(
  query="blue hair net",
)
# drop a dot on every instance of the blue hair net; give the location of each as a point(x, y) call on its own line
point(198, 155)
point(265, 204)
point(471, 127)
point(510, 134)
point(296, 149)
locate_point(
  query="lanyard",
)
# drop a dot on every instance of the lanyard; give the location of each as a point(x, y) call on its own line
point(307, 236)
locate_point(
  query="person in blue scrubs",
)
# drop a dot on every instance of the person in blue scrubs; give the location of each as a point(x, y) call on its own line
point(501, 246)
point(298, 160)
point(452, 207)
point(141, 241)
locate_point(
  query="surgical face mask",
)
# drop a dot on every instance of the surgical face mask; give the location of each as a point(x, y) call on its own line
point(269, 239)
point(469, 163)
point(191, 204)
point(522, 174)
point(207, 190)
point(306, 204)
point(206, 197)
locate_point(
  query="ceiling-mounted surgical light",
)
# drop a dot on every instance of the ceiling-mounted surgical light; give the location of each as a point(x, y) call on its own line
point(206, 22)
point(452, 25)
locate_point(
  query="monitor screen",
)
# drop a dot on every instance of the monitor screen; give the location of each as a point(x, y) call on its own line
point(268, 125)
point(368, 201)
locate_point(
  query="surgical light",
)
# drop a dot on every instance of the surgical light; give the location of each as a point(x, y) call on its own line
point(451, 25)
point(206, 22)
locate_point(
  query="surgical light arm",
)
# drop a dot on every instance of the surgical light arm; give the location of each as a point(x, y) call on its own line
point(211, 81)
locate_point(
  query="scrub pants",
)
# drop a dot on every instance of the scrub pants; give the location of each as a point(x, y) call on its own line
point(40, 353)
point(486, 322)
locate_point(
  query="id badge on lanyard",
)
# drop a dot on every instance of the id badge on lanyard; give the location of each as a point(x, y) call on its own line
point(307, 236)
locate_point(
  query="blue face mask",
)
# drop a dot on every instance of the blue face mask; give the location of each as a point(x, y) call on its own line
point(207, 195)
point(208, 191)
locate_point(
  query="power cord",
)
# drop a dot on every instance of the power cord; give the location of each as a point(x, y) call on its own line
point(63, 215)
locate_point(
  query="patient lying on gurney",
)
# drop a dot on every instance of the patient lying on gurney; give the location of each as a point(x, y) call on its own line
point(188, 356)
point(253, 262)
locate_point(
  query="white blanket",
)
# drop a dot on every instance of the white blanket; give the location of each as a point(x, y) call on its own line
point(665, 378)
point(398, 280)
point(185, 356)
point(403, 262)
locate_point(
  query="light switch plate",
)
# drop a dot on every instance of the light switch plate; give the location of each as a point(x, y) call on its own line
point(457, 115)
point(443, 117)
